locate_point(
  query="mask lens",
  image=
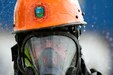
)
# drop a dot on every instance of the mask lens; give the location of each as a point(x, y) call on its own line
point(51, 54)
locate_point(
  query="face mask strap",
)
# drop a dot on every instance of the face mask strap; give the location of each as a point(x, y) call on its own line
point(16, 59)
point(75, 67)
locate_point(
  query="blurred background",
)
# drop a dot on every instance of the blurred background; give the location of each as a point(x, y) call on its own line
point(96, 39)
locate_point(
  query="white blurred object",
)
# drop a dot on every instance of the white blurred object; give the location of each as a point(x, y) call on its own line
point(6, 42)
point(96, 52)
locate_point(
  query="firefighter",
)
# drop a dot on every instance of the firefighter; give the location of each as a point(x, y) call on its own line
point(47, 32)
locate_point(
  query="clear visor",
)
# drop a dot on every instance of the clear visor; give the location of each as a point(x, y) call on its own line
point(51, 55)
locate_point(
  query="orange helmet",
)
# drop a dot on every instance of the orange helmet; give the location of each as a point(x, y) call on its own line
point(36, 14)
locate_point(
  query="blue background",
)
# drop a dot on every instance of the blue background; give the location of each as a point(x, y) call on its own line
point(98, 15)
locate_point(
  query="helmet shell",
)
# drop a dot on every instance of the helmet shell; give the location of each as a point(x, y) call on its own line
point(54, 13)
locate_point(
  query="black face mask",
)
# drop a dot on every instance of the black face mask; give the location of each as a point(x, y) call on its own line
point(50, 54)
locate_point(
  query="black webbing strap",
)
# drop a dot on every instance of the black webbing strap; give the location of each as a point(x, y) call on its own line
point(84, 68)
point(14, 51)
point(95, 71)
